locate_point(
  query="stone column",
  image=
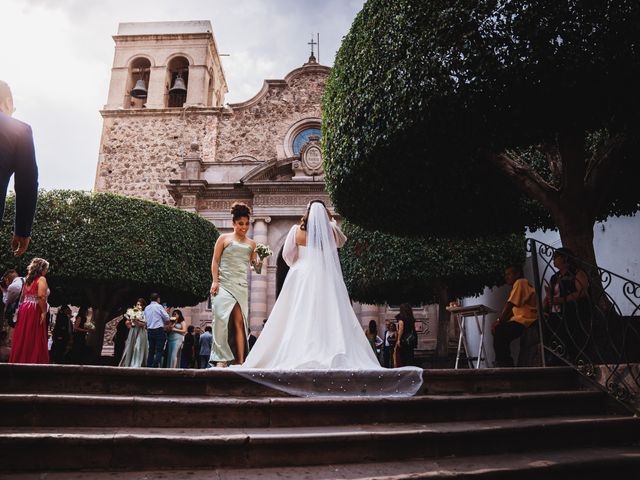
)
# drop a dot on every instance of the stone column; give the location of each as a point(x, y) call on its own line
point(192, 163)
point(197, 88)
point(259, 283)
point(117, 88)
point(157, 87)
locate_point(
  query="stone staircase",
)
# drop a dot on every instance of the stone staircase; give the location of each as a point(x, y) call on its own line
point(68, 422)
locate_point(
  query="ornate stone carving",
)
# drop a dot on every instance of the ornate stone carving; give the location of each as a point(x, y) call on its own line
point(188, 201)
point(285, 200)
point(219, 204)
point(311, 157)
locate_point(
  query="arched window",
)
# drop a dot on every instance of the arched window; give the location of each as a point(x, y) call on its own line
point(303, 137)
point(137, 83)
point(177, 82)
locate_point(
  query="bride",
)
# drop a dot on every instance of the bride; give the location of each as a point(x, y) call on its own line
point(312, 325)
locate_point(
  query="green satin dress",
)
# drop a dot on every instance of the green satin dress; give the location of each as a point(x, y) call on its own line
point(234, 288)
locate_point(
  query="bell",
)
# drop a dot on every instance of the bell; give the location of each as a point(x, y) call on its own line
point(179, 87)
point(140, 90)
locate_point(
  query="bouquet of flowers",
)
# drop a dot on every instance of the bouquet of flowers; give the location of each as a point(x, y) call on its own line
point(262, 251)
point(89, 325)
point(136, 316)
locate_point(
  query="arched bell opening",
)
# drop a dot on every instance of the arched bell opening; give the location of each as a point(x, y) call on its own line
point(137, 83)
point(177, 82)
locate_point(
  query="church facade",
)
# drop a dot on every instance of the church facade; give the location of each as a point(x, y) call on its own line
point(185, 147)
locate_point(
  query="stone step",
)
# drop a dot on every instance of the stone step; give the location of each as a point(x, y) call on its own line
point(484, 380)
point(37, 449)
point(224, 382)
point(585, 464)
point(50, 410)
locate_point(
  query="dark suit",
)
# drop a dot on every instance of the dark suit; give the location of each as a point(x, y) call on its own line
point(17, 155)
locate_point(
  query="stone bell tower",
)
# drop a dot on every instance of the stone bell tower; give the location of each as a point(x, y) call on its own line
point(158, 53)
point(167, 88)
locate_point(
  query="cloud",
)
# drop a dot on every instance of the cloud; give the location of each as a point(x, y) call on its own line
point(57, 57)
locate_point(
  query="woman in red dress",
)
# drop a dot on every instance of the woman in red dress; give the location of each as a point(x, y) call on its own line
point(29, 343)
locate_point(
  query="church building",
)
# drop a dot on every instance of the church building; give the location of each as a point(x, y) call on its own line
point(169, 137)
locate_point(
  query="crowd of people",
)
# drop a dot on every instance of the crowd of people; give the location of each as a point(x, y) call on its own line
point(153, 335)
point(40, 337)
point(397, 346)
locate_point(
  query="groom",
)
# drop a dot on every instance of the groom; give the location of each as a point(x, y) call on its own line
point(17, 155)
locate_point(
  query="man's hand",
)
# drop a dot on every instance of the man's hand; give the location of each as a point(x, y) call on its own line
point(19, 244)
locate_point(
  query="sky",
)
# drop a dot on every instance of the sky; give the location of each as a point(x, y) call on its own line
point(56, 55)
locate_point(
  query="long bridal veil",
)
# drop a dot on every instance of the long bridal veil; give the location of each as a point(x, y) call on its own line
point(313, 343)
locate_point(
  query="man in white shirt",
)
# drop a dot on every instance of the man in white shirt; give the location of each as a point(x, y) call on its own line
point(12, 286)
point(156, 317)
point(205, 347)
point(11, 289)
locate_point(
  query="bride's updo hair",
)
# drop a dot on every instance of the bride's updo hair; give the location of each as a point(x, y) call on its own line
point(239, 210)
point(305, 218)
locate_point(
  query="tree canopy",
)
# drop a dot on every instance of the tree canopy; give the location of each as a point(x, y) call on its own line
point(106, 250)
point(456, 118)
point(380, 268)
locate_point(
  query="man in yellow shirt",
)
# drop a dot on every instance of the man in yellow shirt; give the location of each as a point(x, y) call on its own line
point(519, 313)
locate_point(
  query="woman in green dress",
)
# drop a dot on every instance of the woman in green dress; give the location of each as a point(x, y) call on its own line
point(137, 346)
point(232, 255)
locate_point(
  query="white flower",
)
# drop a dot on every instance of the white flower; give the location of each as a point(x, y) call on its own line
point(263, 251)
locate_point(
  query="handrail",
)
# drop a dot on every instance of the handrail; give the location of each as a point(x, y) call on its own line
point(598, 334)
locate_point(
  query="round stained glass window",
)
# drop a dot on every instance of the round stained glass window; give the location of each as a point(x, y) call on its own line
point(303, 137)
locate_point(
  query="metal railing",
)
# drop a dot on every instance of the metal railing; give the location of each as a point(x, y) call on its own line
point(597, 333)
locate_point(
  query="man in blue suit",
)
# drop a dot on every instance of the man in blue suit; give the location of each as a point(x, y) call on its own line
point(17, 156)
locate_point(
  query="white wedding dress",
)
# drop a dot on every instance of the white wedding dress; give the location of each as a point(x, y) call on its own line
point(313, 343)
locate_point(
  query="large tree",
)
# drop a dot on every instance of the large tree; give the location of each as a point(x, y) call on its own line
point(462, 117)
point(107, 250)
point(380, 268)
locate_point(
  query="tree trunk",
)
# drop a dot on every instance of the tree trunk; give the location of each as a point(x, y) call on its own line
point(577, 236)
point(576, 233)
point(95, 339)
point(442, 342)
point(106, 304)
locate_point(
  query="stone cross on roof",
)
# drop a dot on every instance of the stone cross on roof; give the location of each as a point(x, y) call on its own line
point(312, 58)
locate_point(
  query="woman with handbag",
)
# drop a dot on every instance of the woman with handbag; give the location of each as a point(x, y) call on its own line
point(407, 337)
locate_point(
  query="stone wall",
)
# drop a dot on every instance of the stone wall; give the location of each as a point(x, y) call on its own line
point(140, 153)
point(257, 128)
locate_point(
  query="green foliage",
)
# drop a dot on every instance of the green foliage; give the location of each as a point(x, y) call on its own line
point(422, 92)
point(381, 268)
point(106, 250)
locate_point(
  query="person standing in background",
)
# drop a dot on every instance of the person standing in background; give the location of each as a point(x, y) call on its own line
point(205, 347)
point(61, 334)
point(175, 338)
point(30, 336)
point(156, 317)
